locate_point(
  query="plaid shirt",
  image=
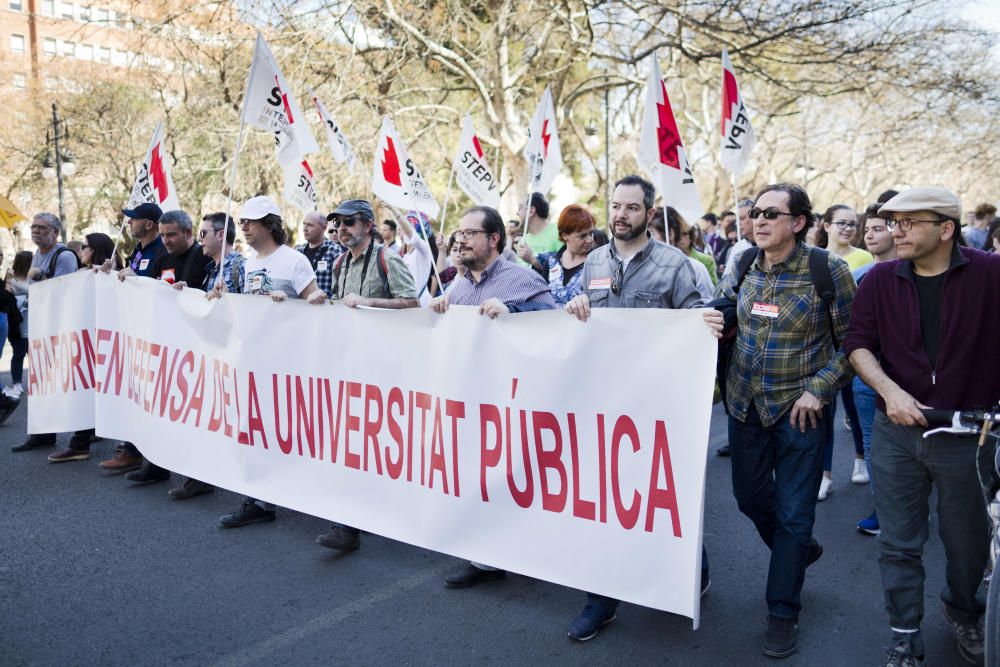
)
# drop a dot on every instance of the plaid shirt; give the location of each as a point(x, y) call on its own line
point(776, 358)
point(233, 260)
point(323, 264)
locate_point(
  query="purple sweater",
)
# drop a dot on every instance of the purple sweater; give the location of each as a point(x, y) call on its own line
point(885, 319)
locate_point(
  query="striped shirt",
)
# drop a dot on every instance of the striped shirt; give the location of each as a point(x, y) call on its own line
point(232, 267)
point(783, 344)
point(501, 280)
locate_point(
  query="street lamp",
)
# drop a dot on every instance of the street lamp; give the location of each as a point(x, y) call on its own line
point(63, 164)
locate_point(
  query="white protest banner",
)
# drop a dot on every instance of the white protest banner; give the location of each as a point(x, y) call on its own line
point(542, 150)
point(661, 151)
point(395, 178)
point(299, 187)
point(737, 134)
point(153, 184)
point(519, 456)
point(339, 146)
point(472, 170)
point(269, 105)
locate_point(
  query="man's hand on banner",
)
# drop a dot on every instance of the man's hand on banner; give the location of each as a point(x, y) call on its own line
point(215, 292)
point(104, 268)
point(317, 297)
point(493, 307)
point(353, 301)
point(715, 322)
point(440, 304)
point(179, 285)
point(277, 297)
point(579, 307)
point(125, 273)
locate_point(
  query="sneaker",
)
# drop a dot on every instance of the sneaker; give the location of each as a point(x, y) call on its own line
point(589, 622)
point(470, 575)
point(13, 390)
point(900, 656)
point(781, 637)
point(69, 454)
point(122, 462)
point(724, 450)
point(36, 441)
point(148, 474)
point(860, 474)
point(869, 526)
point(7, 406)
point(970, 637)
point(248, 513)
point(847, 423)
point(341, 538)
point(825, 488)
point(190, 489)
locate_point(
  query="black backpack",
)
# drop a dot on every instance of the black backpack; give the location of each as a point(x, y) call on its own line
point(822, 280)
point(51, 271)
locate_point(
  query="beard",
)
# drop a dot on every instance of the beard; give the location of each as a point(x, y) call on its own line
point(629, 235)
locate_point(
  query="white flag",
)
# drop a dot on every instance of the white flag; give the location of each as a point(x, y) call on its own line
point(270, 106)
point(661, 151)
point(737, 135)
point(472, 171)
point(153, 184)
point(542, 152)
point(299, 190)
point(340, 147)
point(395, 179)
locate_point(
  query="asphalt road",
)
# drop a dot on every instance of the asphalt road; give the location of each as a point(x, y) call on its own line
point(96, 571)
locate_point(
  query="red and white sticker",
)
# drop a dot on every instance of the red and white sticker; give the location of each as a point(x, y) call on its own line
point(600, 283)
point(168, 276)
point(764, 309)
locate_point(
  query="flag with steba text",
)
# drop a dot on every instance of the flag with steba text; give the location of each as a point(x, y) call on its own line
point(396, 179)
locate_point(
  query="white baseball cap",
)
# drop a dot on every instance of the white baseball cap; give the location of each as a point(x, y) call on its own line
point(259, 207)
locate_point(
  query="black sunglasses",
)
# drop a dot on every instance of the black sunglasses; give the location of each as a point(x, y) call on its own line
point(347, 222)
point(769, 214)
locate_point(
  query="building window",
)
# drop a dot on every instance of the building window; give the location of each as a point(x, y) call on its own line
point(118, 58)
point(48, 7)
point(66, 10)
point(85, 52)
point(50, 82)
point(103, 54)
point(68, 49)
point(49, 46)
point(16, 5)
point(17, 43)
point(19, 81)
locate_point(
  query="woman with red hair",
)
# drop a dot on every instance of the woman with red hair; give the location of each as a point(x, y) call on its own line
point(563, 269)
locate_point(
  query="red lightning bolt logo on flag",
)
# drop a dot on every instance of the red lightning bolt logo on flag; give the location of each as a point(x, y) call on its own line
point(157, 176)
point(542, 150)
point(409, 190)
point(661, 150)
point(472, 171)
point(737, 134)
point(153, 183)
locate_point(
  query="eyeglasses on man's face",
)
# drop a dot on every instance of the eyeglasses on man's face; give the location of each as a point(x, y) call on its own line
point(466, 234)
point(347, 222)
point(906, 224)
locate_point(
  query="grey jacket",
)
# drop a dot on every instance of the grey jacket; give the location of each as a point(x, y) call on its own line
point(659, 276)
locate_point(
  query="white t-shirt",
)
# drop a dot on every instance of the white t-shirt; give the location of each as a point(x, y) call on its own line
point(702, 279)
point(284, 270)
point(419, 261)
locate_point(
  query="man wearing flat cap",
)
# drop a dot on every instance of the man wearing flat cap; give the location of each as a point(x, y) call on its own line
point(909, 339)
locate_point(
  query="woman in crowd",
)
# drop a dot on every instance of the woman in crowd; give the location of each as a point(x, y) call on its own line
point(675, 227)
point(686, 243)
point(449, 263)
point(418, 253)
point(97, 249)
point(17, 284)
point(563, 269)
point(839, 235)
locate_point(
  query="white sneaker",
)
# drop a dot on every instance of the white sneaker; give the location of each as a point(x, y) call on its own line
point(860, 475)
point(825, 488)
point(14, 390)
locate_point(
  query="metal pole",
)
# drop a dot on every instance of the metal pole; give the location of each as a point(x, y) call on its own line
point(607, 157)
point(59, 183)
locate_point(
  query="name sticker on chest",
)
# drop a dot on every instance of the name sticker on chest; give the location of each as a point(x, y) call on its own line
point(168, 276)
point(764, 309)
point(143, 264)
point(600, 283)
point(321, 265)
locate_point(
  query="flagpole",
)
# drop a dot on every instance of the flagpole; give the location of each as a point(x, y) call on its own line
point(736, 200)
point(447, 196)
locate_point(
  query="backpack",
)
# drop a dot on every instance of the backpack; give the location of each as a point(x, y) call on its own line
point(383, 269)
point(51, 271)
point(822, 280)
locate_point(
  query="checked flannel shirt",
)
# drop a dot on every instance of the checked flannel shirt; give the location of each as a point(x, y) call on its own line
point(328, 254)
point(233, 260)
point(775, 359)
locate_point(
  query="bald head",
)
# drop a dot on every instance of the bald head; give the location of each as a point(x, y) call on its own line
point(313, 228)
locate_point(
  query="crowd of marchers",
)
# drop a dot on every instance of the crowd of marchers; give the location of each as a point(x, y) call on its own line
point(886, 307)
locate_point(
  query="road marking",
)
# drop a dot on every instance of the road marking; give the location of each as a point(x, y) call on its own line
point(272, 645)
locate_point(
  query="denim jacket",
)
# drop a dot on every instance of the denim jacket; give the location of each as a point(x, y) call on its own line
point(659, 276)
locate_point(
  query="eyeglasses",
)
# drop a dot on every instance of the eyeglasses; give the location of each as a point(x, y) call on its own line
point(202, 233)
point(616, 284)
point(465, 234)
point(906, 224)
point(332, 230)
point(769, 214)
point(843, 224)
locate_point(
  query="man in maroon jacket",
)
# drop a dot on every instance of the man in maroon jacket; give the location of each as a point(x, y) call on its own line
point(912, 338)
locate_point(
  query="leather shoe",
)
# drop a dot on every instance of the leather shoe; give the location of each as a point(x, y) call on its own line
point(470, 575)
point(148, 474)
point(190, 489)
point(341, 538)
point(36, 441)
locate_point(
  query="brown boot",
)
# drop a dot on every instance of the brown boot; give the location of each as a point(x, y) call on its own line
point(121, 463)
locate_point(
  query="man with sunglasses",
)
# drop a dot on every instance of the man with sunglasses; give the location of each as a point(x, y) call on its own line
point(217, 235)
point(911, 340)
point(368, 274)
point(784, 374)
point(321, 253)
point(634, 270)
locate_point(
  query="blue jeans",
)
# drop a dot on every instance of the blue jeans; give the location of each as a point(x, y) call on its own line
point(847, 398)
point(776, 475)
point(864, 402)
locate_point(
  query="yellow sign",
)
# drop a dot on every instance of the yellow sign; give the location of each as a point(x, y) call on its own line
point(9, 214)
